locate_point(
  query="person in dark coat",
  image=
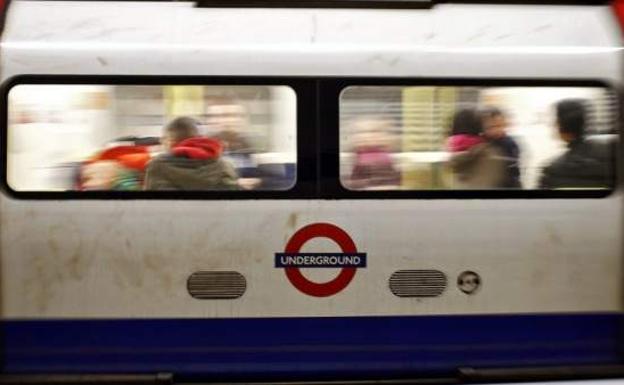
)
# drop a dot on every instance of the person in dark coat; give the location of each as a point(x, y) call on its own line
point(585, 164)
point(495, 132)
point(192, 162)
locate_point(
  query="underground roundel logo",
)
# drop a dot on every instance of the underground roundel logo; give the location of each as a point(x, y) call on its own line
point(348, 260)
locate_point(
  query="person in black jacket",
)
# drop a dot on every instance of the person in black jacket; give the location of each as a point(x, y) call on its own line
point(585, 164)
point(495, 132)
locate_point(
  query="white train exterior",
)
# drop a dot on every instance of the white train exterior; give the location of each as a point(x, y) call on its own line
point(100, 285)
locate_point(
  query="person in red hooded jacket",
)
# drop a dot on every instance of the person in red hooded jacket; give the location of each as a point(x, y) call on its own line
point(192, 162)
point(476, 163)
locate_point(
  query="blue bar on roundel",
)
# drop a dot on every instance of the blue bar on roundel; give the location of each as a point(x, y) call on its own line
point(326, 260)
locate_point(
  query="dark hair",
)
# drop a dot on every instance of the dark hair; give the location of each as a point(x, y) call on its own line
point(182, 128)
point(571, 117)
point(466, 121)
point(492, 112)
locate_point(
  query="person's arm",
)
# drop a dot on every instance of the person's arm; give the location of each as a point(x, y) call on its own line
point(545, 182)
point(514, 148)
point(229, 177)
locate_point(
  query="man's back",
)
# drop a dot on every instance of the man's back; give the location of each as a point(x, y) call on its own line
point(585, 165)
point(194, 164)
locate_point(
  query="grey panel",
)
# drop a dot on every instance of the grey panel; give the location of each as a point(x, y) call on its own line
point(417, 283)
point(216, 285)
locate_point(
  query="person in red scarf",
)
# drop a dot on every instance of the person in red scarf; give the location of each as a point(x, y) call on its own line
point(476, 163)
point(191, 162)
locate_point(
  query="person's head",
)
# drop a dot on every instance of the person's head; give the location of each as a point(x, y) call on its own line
point(371, 131)
point(494, 123)
point(225, 114)
point(466, 122)
point(571, 119)
point(179, 129)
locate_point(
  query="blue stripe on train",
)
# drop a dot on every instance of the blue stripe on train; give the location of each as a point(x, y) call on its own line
point(311, 347)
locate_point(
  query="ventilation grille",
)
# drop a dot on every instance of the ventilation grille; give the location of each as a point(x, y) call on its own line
point(216, 285)
point(417, 283)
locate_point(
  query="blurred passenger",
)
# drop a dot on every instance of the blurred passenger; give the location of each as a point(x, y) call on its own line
point(191, 162)
point(121, 167)
point(495, 132)
point(228, 121)
point(106, 175)
point(584, 164)
point(373, 167)
point(476, 164)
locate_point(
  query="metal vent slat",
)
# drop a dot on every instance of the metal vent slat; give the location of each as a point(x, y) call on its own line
point(216, 285)
point(417, 283)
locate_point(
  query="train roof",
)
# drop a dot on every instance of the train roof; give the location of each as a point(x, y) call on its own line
point(177, 38)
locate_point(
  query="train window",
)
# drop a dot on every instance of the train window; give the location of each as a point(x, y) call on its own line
point(477, 138)
point(74, 137)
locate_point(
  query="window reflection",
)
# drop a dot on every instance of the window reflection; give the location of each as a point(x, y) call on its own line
point(466, 138)
point(133, 138)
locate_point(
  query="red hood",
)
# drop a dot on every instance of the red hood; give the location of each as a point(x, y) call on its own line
point(198, 148)
point(462, 142)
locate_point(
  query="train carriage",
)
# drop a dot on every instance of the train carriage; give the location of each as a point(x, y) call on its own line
point(347, 246)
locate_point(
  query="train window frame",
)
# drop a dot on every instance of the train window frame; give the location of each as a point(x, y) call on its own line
point(318, 137)
point(332, 187)
point(305, 185)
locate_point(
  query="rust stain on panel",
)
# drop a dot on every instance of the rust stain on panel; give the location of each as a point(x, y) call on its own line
point(292, 221)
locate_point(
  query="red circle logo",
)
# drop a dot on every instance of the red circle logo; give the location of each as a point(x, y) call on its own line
point(324, 230)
